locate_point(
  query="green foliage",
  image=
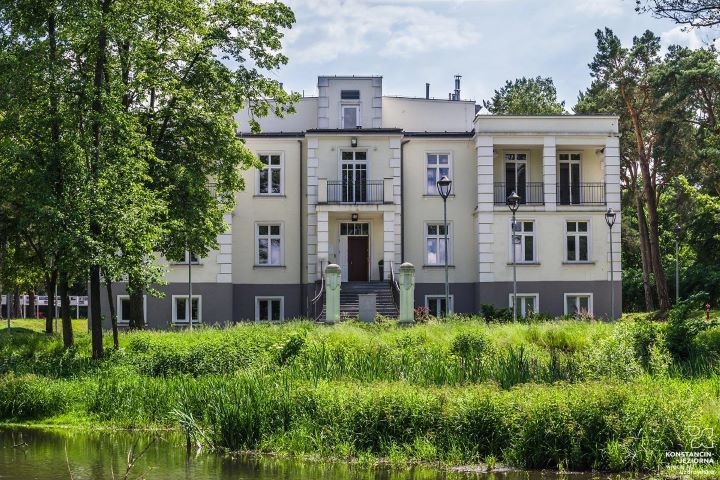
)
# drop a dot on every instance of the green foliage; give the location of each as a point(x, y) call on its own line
point(526, 96)
point(682, 328)
point(29, 397)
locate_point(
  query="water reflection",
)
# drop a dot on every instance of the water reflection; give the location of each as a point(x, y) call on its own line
point(57, 454)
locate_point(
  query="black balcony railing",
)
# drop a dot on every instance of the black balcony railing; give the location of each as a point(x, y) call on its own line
point(368, 191)
point(531, 193)
point(581, 194)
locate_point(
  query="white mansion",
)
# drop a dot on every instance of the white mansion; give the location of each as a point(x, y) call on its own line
point(350, 178)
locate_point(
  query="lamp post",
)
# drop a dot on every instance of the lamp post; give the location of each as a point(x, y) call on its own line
point(444, 186)
point(610, 220)
point(678, 229)
point(513, 202)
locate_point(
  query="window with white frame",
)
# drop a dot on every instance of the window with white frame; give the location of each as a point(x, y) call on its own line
point(436, 305)
point(437, 165)
point(269, 309)
point(270, 178)
point(180, 309)
point(526, 303)
point(123, 309)
point(524, 242)
point(269, 244)
point(577, 241)
point(578, 303)
point(435, 243)
point(350, 116)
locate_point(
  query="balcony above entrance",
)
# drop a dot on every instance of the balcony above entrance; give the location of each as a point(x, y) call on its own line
point(355, 192)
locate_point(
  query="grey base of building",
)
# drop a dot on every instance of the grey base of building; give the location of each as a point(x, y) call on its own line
point(231, 303)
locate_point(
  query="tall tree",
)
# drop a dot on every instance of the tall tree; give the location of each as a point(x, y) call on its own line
point(526, 96)
point(627, 73)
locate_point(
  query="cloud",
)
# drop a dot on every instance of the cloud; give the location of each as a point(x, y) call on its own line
point(681, 36)
point(327, 30)
point(603, 8)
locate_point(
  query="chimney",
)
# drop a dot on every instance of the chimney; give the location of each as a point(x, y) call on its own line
point(457, 87)
point(427, 91)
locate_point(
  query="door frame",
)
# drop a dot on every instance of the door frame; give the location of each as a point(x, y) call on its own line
point(344, 246)
point(516, 162)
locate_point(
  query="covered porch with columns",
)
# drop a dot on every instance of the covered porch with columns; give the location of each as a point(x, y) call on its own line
point(356, 237)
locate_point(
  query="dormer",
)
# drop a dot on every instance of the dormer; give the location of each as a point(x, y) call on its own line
point(349, 102)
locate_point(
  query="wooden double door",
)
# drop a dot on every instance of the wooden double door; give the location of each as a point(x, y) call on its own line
point(355, 252)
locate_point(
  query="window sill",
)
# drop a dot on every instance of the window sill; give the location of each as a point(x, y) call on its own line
point(436, 195)
point(438, 266)
point(589, 262)
point(269, 266)
point(183, 323)
point(269, 195)
point(520, 264)
point(184, 264)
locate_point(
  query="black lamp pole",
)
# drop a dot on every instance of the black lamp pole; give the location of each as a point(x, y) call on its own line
point(678, 229)
point(610, 220)
point(444, 186)
point(513, 202)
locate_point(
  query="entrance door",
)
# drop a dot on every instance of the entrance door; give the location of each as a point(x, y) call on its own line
point(358, 254)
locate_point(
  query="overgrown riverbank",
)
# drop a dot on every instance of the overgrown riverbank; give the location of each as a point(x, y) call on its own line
point(569, 395)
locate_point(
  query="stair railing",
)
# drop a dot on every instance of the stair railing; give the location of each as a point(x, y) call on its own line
point(392, 279)
point(318, 301)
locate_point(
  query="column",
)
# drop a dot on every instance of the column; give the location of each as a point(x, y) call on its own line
point(395, 144)
point(612, 197)
point(549, 174)
point(224, 257)
point(312, 199)
point(332, 293)
point(388, 242)
point(407, 293)
point(322, 237)
point(485, 207)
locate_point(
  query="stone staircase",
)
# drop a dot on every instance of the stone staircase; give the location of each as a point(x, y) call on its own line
point(349, 302)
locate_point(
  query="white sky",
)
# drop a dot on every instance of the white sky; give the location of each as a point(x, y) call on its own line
point(486, 41)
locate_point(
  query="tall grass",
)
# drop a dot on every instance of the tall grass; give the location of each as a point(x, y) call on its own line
point(560, 394)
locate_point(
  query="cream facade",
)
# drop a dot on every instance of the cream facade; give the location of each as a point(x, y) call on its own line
point(350, 179)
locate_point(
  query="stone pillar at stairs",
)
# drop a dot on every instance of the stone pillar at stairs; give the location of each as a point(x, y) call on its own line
point(332, 293)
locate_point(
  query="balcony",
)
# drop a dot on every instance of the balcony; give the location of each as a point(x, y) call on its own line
point(368, 192)
point(581, 194)
point(531, 193)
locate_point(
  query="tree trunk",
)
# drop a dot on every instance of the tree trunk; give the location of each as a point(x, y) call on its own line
point(137, 313)
point(113, 313)
point(63, 289)
point(50, 283)
point(653, 239)
point(32, 313)
point(17, 307)
point(95, 229)
point(644, 253)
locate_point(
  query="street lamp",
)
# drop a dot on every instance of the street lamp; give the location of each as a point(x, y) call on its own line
point(444, 186)
point(610, 220)
point(513, 202)
point(678, 229)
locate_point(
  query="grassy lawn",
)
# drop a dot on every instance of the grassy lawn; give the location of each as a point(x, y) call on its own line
point(38, 325)
point(558, 394)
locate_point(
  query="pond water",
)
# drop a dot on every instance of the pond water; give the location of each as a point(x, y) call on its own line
point(27, 454)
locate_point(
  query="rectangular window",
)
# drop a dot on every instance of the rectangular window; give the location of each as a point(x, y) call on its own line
point(270, 178)
point(350, 94)
point(524, 242)
point(355, 229)
point(437, 165)
point(350, 116)
point(578, 303)
point(269, 309)
point(569, 178)
point(180, 312)
point(123, 309)
point(269, 244)
point(577, 241)
point(436, 305)
point(527, 304)
point(435, 243)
